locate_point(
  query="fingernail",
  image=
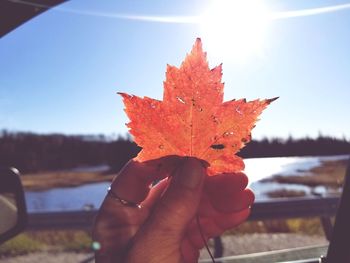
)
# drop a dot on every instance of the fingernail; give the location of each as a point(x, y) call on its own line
point(191, 173)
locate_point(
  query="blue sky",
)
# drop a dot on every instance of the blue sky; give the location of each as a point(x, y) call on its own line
point(60, 72)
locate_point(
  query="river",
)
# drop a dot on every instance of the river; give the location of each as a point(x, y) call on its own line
point(90, 196)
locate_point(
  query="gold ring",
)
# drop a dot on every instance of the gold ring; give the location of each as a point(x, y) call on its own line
point(120, 200)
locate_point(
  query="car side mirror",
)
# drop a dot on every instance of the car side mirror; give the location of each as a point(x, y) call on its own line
point(13, 212)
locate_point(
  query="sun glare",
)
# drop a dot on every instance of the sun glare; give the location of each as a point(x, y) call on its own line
point(235, 28)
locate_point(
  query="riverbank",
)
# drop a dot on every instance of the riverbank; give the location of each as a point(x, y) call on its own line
point(328, 173)
point(47, 180)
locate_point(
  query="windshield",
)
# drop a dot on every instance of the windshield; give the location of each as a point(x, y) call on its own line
point(60, 71)
point(60, 112)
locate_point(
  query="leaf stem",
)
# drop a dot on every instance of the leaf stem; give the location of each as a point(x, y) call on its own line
point(203, 238)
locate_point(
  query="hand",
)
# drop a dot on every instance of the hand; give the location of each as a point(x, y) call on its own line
point(165, 229)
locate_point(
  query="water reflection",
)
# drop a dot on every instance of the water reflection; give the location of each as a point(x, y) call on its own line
point(90, 196)
point(260, 168)
point(62, 199)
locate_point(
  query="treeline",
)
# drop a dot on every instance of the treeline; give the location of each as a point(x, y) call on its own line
point(31, 152)
point(323, 145)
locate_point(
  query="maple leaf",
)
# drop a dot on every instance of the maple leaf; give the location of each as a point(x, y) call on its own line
point(192, 119)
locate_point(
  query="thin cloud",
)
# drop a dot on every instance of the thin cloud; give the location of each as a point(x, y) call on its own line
point(310, 12)
point(159, 19)
point(189, 19)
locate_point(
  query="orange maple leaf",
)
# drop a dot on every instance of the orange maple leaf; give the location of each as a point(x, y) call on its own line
point(192, 119)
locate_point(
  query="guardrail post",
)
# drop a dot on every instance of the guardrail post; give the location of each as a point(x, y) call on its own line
point(327, 226)
point(218, 247)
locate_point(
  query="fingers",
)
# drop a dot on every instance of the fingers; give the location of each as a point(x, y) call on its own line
point(226, 183)
point(225, 204)
point(179, 203)
point(133, 181)
point(215, 226)
point(211, 207)
point(174, 201)
point(169, 219)
point(114, 226)
point(117, 223)
point(225, 193)
point(189, 252)
point(155, 193)
point(234, 202)
point(232, 220)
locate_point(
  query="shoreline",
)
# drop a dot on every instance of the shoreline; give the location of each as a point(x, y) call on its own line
point(62, 179)
point(329, 174)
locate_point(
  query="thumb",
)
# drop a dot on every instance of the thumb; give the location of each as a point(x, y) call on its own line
point(179, 204)
point(167, 223)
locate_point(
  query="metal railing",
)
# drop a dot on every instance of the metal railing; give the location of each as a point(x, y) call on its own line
point(267, 209)
point(281, 208)
point(324, 208)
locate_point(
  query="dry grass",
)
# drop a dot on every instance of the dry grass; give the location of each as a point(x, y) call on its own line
point(308, 226)
point(329, 173)
point(286, 193)
point(53, 241)
point(80, 241)
point(47, 180)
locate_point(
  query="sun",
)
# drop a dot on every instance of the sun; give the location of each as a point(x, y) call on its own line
point(235, 28)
